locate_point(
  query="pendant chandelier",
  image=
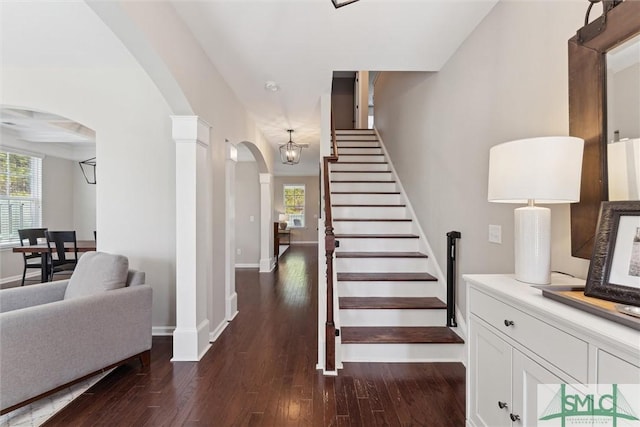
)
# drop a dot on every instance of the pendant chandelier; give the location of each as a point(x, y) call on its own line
point(290, 152)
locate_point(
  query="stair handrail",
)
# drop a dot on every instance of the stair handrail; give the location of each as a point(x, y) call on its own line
point(330, 247)
point(452, 236)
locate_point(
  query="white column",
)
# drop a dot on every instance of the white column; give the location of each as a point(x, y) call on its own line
point(267, 259)
point(191, 336)
point(231, 303)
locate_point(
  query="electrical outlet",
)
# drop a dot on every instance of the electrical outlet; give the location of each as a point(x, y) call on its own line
point(238, 251)
point(252, 218)
point(495, 233)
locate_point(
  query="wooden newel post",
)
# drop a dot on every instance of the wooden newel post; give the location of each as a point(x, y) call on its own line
point(330, 327)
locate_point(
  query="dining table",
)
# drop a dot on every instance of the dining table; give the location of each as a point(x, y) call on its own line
point(44, 251)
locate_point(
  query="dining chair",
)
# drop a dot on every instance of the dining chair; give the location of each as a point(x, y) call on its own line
point(31, 235)
point(61, 262)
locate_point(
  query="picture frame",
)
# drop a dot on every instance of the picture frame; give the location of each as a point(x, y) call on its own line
point(614, 272)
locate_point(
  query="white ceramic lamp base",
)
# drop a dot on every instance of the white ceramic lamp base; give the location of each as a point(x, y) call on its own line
point(533, 245)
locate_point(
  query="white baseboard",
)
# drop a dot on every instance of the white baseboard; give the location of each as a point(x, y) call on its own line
point(18, 277)
point(248, 265)
point(213, 336)
point(162, 331)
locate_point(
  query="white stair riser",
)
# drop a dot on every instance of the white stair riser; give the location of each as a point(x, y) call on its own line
point(381, 265)
point(378, 245)
point(361, 176)
point(359, 151)
point(348, 138)
point(402, 352)
point(366, 199)
point(359, 158)
point(364, 167)
point(393, 317)
point(372, 227)
point(355, 132)
point(388, 289)
point(363, 186)
point(356, 212)
point(359, 145)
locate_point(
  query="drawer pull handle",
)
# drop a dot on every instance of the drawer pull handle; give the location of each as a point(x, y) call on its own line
point(502, 405)
point(514, 417)
point(508, 323)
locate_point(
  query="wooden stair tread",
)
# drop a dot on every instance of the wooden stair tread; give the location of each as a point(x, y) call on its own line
point(363, 154)
point(334, 171)
point(368, 206)
point(377, 236)
point(400, 335)
point(362, 182)
point(360, 163)
point(386, 277)
point(373, 219)
point(366, 192)
point(389, 303)
point(380, 255)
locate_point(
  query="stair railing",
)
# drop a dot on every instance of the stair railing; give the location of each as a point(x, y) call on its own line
point(452, 236)
point(330, 246)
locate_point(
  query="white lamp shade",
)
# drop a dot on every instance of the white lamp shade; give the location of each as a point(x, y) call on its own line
point(283, 217)
point(546, 170)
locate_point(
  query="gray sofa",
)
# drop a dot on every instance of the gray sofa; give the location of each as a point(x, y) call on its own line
point(54, 334)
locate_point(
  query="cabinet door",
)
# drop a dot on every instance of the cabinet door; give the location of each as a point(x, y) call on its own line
point(489, 377)
point(527, 375)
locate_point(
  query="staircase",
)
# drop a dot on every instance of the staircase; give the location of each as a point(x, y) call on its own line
point(391, 306)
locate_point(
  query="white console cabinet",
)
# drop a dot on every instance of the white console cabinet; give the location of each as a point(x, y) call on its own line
point(519, 339)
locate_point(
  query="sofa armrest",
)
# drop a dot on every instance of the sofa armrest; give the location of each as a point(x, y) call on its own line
point(27, 296)
point(50, 345)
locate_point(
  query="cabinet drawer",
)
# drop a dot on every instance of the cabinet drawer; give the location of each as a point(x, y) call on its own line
point(566, 352)
point(613, 370)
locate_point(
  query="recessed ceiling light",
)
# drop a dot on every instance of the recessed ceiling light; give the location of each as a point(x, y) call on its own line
point(271, 86)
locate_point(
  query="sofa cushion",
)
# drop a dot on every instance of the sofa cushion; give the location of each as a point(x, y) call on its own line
point(97, 272)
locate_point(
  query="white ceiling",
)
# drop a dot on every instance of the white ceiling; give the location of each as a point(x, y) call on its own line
point(299, 43)
point(295, 43)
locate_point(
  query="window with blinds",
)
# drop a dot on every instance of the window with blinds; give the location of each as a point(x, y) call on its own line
point(20, 194)
point(294, 205)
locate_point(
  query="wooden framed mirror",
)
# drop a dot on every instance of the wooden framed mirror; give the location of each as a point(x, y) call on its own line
point(588, 112)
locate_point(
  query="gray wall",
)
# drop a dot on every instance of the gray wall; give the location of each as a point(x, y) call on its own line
point(309, 233)
point(247, 206)
point(508, 80)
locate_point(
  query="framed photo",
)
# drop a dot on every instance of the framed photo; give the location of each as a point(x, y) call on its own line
point(614, 272)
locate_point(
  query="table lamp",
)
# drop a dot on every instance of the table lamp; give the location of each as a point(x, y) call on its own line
point(535, 170)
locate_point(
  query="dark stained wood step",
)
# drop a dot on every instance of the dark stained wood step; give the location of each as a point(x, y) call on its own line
point(357, 146)
point(380, 255)
point(395, 193)
point(362, 182)
point(400, 335)
point(349, 171)
point(386, 277)
point(377, 236)
point(363, 154)
point(367, 206)
point(390, 303)
point(373, 219)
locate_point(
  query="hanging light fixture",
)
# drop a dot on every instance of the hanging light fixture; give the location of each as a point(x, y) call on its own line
point(89, 170)
point(290, 152)
point(339, 3)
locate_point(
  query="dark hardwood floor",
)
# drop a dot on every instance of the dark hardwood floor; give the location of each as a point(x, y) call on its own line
point(261, 372)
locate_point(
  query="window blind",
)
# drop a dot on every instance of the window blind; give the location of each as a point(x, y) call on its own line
point(20, 194)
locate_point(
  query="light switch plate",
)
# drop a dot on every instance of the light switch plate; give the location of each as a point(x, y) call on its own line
point(495, 233)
